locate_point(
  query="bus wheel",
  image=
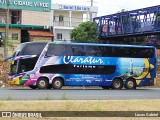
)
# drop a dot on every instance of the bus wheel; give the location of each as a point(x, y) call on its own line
point(33, 87)
point(42, 83)
point(130, 84)
point(117, 83)
point(106, 87)
point(57, 83)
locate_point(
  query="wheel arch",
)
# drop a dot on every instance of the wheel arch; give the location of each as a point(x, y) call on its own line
point(118, 77)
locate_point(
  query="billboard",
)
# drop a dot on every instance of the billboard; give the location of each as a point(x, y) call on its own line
point(34, 5)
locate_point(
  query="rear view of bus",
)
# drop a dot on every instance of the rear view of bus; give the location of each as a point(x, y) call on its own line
point(24, 60)
point(86, 64)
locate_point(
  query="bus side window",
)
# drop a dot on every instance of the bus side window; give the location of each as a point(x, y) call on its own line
point(147, 53)
point(133, 52)
point(56, 50)
point(93, 51)
point(78, 50)
point(150, 53)
point(142, 53)
point(106, 51)
point(50, 51)
point(74, 51)
point(68, 50)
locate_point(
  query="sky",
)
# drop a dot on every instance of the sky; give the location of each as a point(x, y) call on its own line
point(106, 7)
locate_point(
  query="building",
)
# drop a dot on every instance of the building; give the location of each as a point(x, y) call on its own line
point(66, 17)
point(29, 20)
point(38, 20)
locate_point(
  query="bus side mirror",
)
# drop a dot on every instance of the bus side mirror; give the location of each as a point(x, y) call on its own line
point(12, 62)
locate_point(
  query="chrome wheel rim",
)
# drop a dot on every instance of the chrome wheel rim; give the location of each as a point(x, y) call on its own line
point(57, 83)
point(117, 84)
point(130, 84)
point(42, 83)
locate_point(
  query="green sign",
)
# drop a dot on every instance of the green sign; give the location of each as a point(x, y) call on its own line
point(35, 5)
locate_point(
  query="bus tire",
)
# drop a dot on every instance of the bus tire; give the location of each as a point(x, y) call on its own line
point(42, 83)
point(117, 83)
point(33, 87)
point(130, 84)
point(57, 83)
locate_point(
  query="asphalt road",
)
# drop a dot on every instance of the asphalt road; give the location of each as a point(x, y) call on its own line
point(78, 94)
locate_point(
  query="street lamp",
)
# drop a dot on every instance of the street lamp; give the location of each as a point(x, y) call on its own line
point(7, 30)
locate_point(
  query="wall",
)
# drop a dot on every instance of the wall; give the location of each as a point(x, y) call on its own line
point(36, 18)
point(40, 39)
point(13, 30)
point(65, 34)
point(3, 14)
point(77, 18)
point(15, 43)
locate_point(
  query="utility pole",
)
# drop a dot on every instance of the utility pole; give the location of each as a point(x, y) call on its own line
point(91, 6)
point(7, 30)
point(92, 3)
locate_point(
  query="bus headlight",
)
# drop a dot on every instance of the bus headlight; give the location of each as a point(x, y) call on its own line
point(32, 75)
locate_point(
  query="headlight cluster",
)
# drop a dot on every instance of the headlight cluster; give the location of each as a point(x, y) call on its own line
point(31, 75)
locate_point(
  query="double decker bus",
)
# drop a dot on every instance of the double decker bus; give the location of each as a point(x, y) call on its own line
point(88, 64)
point(24, 60)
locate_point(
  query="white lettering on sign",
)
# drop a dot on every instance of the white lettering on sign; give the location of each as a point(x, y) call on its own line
point(26, 3)
point(22, 3)
point(78, 8)
point(39, 4)
point(2, 1)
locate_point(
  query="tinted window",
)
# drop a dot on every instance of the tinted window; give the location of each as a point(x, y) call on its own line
point(101, 51)
point(78, 69)
point(27, 64)
point(33, 49)
point(93, 51)
point(57, 50)
point(19, 49)
point(127, 52)
point(77, 50)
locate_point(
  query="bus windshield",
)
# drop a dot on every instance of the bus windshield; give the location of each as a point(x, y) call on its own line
point(25, 57)
point(23, 65)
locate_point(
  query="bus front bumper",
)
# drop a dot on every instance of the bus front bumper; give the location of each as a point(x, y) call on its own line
point(14, 81)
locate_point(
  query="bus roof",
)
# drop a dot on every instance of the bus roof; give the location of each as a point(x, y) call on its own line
point(98, 44)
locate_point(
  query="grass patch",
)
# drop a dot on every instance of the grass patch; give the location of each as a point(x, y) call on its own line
point(98, 108)
point(82, 105)
point(1, 104)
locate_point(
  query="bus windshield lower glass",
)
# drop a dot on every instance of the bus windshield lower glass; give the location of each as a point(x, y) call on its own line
point(14, 68)
point(23, 65)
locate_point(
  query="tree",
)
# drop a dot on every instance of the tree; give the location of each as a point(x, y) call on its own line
point(139, 40)
point(85, 32)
